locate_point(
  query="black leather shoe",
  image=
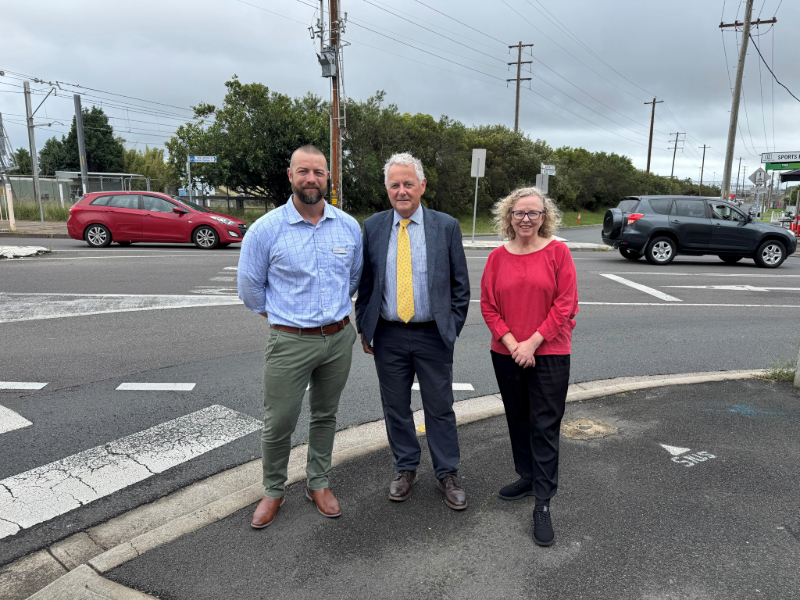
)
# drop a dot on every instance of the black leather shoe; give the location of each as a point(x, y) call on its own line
point(543, 533)
point(454, 495)
point(518, 489)
point(400, 487)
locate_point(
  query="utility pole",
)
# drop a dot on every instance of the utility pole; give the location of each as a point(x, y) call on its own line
point(737, 90)
point(674, 151)
point(702, 166)
point(738, 173)
point(652, 122)
point(81, 143)
point(7, 164)
point(32, 143)
point(519, 62)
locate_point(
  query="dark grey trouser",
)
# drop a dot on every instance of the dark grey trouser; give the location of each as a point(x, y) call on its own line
point(534, 399)
point(400, 353)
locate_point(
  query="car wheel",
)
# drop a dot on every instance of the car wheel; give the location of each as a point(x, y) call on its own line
point(730, 259)
point(630, 254)
point(205, 238)
point(97, 236)
point(770, 254)
point(124, 243)
point(660, 251)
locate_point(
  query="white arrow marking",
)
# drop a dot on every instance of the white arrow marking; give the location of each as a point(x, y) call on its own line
point(674, 450)
point(641, 288)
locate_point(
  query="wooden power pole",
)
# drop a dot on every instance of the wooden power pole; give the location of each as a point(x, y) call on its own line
point(519, 62)
point(652, 123)
point(702, 166)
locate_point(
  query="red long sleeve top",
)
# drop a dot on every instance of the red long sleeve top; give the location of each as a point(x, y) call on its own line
point(528, 293)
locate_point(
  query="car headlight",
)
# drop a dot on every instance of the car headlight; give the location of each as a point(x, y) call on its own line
point(224, 221)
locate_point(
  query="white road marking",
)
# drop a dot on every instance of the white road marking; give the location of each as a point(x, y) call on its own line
point(701, 274)
point(46, 492)
point(582, 303)
point(107, 257)
point(216, 291)
point(35, 306)
point(640, 287)
point(156, 387)
point(10, 420)
point(21, 385)
point(222, 279)
point(231, 269)
point(457, 387)
point(733, 288)
point(674, 450)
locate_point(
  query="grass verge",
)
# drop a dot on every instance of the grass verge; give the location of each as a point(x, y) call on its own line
point(29, 211)
point(781, 371)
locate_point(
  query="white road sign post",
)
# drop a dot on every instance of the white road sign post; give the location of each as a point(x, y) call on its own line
point(543, 179)
point(478, 169)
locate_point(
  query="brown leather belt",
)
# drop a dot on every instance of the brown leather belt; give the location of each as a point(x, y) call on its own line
point(323, 330)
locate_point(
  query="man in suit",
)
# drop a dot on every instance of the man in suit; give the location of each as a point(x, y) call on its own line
point(412, 303)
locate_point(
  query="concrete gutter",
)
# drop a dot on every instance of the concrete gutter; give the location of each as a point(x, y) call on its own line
point(71, 569)
point(53, 236)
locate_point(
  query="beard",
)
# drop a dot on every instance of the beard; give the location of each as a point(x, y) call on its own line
point(309, 195)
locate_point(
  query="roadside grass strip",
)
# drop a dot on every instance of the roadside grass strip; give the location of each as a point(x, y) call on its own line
point(36, 306)
point(21, 385)
point(10, 421)
point(51, 490)
point(156, 387)
point(457, 387)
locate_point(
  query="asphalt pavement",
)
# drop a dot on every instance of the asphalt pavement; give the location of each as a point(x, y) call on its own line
point(691, 494)
point(83, 322)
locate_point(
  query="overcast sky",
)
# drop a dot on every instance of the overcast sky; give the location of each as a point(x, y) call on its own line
point(595, 64)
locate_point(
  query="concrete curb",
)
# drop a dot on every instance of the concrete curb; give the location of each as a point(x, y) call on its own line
point(50, 574)
point(54, 236)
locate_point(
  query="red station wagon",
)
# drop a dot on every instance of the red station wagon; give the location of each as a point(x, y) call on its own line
point(125, 217)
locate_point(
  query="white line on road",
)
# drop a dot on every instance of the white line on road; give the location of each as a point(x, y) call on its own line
point(582, 303)
point(701, 274)
point(222, 279)
point(21, 385)
point(457, 387)
point(733, 288)
point(9, 420)
point(156, 387)
point(107, 257)
point(641, 288)
point(231, 269)
point(51, 490)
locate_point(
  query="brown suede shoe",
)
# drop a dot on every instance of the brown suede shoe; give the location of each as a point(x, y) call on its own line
point(266, 511)
point(454, 495)
point(400, 487)
point(326, 502)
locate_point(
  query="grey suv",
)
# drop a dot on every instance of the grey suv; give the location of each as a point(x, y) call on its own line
point(659, 227)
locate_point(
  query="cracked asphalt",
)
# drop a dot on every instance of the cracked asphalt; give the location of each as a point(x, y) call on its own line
point(717, 521)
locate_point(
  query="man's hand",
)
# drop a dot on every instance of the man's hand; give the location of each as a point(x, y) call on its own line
point(367, 348)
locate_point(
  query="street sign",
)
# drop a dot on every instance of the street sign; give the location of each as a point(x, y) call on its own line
point(548, 169)
point(774, 157)
point(543, 182)
point(758, 176)
point(781, 166)
point(202, 159)
point(478, 162)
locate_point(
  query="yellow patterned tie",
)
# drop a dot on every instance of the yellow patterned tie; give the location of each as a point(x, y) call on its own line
point(405, 283)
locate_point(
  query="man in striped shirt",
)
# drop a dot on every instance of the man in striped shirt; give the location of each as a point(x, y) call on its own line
point(299, 267)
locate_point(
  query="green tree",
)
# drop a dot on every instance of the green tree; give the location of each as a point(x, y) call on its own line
point(253, 136)
point(23, 159)
point(53, 157)
point(150, 163)
point(104, 151)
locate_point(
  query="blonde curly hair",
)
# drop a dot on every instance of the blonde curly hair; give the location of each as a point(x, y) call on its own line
point(551, 220)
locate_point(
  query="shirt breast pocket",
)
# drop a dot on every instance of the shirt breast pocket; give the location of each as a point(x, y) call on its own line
point(341, 257)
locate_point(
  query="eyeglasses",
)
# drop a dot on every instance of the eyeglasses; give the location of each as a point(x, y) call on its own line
point(519, 215)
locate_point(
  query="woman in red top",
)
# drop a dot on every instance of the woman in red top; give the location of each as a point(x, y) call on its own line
point(529, 300)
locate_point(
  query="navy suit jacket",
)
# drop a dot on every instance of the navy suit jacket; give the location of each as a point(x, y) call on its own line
point(448, 278)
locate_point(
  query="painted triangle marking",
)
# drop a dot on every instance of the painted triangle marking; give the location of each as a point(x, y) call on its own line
point(674, 450)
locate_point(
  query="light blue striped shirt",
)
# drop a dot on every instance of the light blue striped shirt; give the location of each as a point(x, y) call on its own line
point(301, 275)
point(419, 271)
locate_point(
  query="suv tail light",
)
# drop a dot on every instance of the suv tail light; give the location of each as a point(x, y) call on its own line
point(634, 217)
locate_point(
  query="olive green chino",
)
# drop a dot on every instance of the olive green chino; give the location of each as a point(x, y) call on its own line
point(292, 362)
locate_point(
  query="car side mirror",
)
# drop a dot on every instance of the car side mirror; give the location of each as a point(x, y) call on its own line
point(178, 210)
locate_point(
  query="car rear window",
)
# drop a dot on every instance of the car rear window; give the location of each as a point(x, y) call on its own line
point(126, 201)
point(690, 208)
point(628, 206)
point(661, 205)
point(101, 201)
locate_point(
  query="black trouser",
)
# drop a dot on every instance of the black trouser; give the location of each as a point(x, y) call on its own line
point(400, 352)
point(534, 399)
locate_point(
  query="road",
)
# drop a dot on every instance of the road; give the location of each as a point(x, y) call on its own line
point(79, 451)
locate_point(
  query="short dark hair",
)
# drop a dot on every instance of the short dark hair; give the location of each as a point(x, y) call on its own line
point(308, 149)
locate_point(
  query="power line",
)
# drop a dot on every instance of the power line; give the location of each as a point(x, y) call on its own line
point(771, 72)
point(459, 22)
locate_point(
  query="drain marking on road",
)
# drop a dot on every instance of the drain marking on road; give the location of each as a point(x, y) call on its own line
point(457, 387)
point(21, 385)
point(680, 456)
point(156, 387)
point(640, 287)
point(35, 306)
point(674, 450)
point(10, 420)
point(54, 489)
